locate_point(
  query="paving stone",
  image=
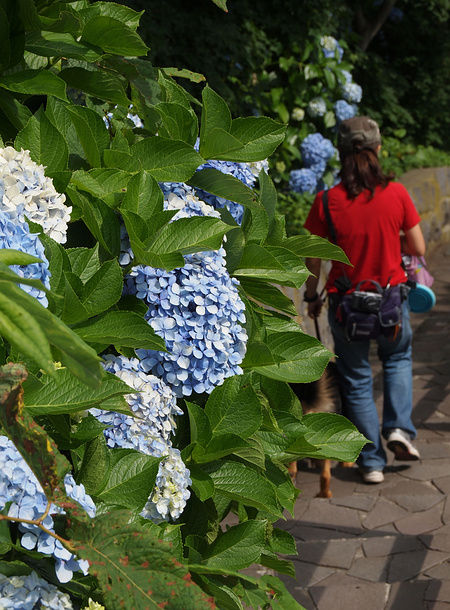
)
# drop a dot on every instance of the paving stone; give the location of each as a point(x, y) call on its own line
point(439, 540)
point(430, 450)
point(440, 572)
point(438, 591)
point(309, 532)
point(357, 501)
point(321, 511)
point(309, 574)
point(406, 566)
point(427, 471)
point(370, 596)
point(332, 553)
point(421, 522)
point(373, 569)
point(391, 545)
point(408, 596)
point(384, 512)
point(413, 496)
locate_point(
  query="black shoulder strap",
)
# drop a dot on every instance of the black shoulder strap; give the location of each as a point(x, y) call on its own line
point(326, 210)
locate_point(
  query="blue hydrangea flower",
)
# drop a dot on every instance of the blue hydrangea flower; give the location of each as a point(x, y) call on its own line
point(302, 180)
point(196, 309)
point(31, 593)
point(245, 172)
point(25, 191)
point(316, 149)
point(19, 485)
point(16, 235)
point(329, 47)
point(343, 110)
point(317, 107)
point(351, 92)
point(149, 430)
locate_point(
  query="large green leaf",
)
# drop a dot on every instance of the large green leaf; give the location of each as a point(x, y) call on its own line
point(35, 82)
point(167, 160)
point(177, 122)
point(91, 131)
point(131, 479)
point(17, 113)
point(143, 196)
point(299, 358)
point(239, 482)
point(64, 393)
point(238, 547)
point(202, 484)
point(134, 568)
point(315, 247)
point(54, 44)
point(82, 361)
point(234, 407)
point(107, 184)
point(272, 264)
point(113, 36)
point(46, 144)
point(122, 328)
point(97, 83)
point(260, 136)
point(110, 9)
point(219, 446)
point(224, 185)
point(262, 292)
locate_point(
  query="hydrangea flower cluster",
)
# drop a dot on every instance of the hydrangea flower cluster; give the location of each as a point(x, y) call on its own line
point(245, 172)
point(31, 593)
point(25, 192)
point(302, 180)
point(196, 309)
point(343, 110)
point(19, 485)
point(148, 430)
point(317, 107)
point(329, 47)
point(350, 90)
point(316, 152)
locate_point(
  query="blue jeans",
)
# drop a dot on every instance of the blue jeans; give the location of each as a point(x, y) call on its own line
point(356, 383)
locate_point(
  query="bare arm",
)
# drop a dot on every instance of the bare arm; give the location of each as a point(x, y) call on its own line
point(413, 242)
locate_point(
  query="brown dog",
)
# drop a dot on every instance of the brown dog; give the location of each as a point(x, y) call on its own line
point(321, 396)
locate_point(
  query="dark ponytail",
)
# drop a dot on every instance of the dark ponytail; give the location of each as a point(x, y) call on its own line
point(361, 170)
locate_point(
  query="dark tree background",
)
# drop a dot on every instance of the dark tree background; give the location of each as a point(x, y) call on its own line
point(400, 50)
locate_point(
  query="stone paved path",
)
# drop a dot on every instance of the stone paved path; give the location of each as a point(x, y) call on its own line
point(387, 546)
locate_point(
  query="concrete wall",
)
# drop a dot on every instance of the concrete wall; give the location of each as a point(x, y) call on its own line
point(429, 188)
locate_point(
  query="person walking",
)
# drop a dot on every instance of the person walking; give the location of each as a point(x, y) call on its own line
point(374, 221)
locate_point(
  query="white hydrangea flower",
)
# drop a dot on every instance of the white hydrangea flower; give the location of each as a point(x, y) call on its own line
point(25, 191)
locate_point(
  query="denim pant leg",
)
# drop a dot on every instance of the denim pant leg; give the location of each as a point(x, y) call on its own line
point(396, 358)
point(356, 382)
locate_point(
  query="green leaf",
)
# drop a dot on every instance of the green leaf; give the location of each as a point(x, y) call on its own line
point(113, 36)
point(64, 393)
point(68, 20)
point(260, 137)
point(106, 184)
point(316, 247)
point(224, 185)
point(140, 566)
point(91, 131)
point(219, 446)
point(35, 82)
point(238, 547)
point(17, 113)
point(255, 226)
point(131, 479)
point(215, 115)
point(98, 83)
point(95, 466)
point(177, 122)
point(272, 561)
point(262, 292)
point(17, 257)
point(202, 484)
point(167, 160)
point(143, 196)
point(282, 599)
point(199, 425)
point(272, 264)
point(123, 328)
point(239, 482)
point(111, 9)
point(234, 407)
point(299, 358)
point(54, 44)
point(332, 435)
point(46, 144)
point(73, 352)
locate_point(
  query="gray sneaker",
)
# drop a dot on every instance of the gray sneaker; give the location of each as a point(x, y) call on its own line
point(400, 444)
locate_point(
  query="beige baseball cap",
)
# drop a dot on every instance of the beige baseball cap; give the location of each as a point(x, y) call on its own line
point(359, 131)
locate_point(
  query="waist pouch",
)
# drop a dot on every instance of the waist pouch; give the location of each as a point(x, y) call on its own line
point(369, 315)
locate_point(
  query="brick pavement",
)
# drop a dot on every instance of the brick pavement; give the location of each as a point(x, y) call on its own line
point(387, 546)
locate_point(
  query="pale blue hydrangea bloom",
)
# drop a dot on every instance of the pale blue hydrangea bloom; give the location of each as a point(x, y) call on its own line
point(19, 485)
point(343, 110)
point(196, 309)
point(316, 149)
point(31, 593)
point(16, 235)
point(149, 430)
point(329, 47)
point(317, 107)
point(25, 191)
point(351, 92)
point(302, 180)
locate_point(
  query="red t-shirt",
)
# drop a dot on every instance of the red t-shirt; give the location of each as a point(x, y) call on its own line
point(368, 230)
